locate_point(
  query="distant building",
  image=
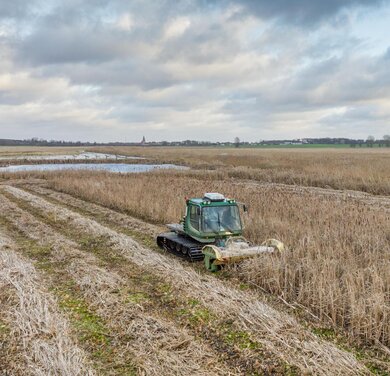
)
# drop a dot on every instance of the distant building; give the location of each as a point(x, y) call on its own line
point(143, 142)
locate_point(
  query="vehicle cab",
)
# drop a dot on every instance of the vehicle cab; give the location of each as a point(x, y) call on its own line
point(212, 217)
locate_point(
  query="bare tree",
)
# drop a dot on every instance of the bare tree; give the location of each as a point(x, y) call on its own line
point(370, 141)
point(236, 142)
point(386, 139)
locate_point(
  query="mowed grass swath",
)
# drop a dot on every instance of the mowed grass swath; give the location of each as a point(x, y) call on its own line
point(366, 170)
point(337, 260)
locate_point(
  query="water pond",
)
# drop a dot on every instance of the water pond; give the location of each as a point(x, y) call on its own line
point(110, 167)
point(78, 156)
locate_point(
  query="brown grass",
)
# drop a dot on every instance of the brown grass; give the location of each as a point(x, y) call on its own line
point(38, 327)
point(26, 161)
point(337, 260)
point(366, 170)
point(273, 329)
point(158, 346)
point(12, 151)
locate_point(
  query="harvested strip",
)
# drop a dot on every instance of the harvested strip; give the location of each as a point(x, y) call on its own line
point(159, 347)
point(41, 330)
point(277, 331)
point(12, 359)
point(99, 211)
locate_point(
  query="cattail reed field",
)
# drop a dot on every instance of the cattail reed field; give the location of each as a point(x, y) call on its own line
point(366, 170)
point(337, 259)
point(80, 246)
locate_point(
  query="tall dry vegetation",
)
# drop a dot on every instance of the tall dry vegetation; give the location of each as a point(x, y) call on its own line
point(16, 151)
point(337, 261)
point(365, 170)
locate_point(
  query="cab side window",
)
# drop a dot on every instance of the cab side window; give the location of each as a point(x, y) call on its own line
point(194, 217)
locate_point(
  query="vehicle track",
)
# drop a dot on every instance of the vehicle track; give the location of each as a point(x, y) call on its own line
point(39, 336)
point(277, 331)
point(159, 346)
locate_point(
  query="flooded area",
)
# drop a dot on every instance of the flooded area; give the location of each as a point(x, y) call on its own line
point(70, 157)
point(110, 167)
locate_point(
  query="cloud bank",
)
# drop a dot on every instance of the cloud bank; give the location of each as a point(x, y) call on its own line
point(206, 70)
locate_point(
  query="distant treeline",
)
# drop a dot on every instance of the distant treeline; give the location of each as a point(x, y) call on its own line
point(369, 142)
point(42, 142)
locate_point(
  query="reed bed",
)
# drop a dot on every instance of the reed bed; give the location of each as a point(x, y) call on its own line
point(366, 170)
point(274, 329)
point(337, 261)
point(27, 161)
point(12, 151)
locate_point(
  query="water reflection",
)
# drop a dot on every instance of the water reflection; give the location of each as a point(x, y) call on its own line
point(111, 167)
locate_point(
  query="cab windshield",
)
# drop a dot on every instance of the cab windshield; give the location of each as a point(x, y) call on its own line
point(221, 218)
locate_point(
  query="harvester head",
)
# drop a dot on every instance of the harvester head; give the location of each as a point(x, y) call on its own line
point(212, 229)
point(235, 250)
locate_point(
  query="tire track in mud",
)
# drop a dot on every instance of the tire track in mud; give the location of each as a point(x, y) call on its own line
point(159, 346)
point(39, 335)
point(278, 332)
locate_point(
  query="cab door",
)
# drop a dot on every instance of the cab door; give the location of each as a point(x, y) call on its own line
point(193, 216)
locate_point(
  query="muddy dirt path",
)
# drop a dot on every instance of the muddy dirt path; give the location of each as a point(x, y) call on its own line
point(39, 335)
point(275, 330)
point(158, 346)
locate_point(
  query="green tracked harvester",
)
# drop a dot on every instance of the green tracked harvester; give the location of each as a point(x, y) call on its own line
point(211, 230)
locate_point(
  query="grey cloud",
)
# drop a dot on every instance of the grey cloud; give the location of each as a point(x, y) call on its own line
point(304, 12)
point(121, 73)
point(78, 31)
point(229, 74)
point(356, 84)
point(387, 55)
point(16, 8)
point(70, 45)
point(9, 99)
point(363, 120)
point(202, 43)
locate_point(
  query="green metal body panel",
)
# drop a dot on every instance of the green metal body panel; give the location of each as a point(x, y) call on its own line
point(197, 232)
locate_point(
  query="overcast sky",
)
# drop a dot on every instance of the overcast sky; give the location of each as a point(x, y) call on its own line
point(97, 70)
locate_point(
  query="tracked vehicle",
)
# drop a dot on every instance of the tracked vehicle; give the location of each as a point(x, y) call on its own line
point(211, 230)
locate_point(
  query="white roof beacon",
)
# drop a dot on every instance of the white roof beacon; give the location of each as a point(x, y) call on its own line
point(214, 196)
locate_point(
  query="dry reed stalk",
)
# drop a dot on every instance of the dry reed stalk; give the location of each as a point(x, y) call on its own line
point(337, 258)
point(159, 346)
point(98, 211)
point(277, 331)
point(38, 150)
point(43, 332)
point(366, 169)
point(360, 170)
